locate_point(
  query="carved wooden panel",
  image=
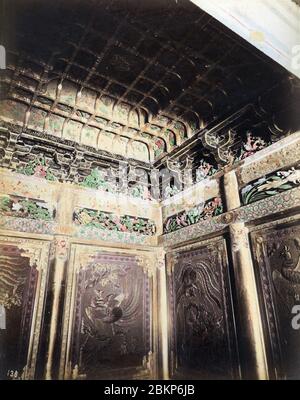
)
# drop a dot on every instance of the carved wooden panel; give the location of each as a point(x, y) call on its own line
point(202, 329)
point(23, 272)
point(277, 259)
point(110, 332)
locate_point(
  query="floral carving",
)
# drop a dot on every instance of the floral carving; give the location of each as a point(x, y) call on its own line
point(252, 145)
point(170, 191)
point(37, 167)
point(270, 185)
point(21, 207)
point(204, 170)
point(140, 192)
point(210, 209)
point(97, 180)
point(108, 221)
point(159, 147)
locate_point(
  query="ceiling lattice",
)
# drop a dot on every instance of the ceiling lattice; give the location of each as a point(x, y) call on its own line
point(134, 78)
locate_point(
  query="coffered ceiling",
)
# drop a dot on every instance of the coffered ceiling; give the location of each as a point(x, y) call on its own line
point(137, 79)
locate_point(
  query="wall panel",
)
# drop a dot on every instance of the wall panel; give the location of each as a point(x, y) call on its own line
point(23, 276)
point(202, 329)
point(277, 261)
point(108, 323)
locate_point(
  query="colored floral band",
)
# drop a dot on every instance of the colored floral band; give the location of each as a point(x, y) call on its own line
point(108, 221)
point(270, 185)
point(209, 209)
point(21, 207)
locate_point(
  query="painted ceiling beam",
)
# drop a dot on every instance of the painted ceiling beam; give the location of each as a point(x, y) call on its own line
point(272, 26)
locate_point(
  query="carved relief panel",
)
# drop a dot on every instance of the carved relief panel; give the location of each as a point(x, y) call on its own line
point(109, 300)
point(202, 332)
point(23, 275)
point(277, 259)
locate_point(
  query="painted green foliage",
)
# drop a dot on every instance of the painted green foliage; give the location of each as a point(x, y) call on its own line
point(20, 207)
point(108, 221)
point(270, 185)
point(170, 191)
point(181, 129)
point(140, 192)
point(204, 170)
point(211, 208)
point(96, 180)
point(170, 137)
point(37, 167)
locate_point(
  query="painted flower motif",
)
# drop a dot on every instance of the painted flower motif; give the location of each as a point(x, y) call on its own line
point(159, 144)
point(102, 220)
point(183, 220)
point(115, 219)
point(294, 176)
point(217, 201)
point(40, 171)
point(252, 145)
point(203, 171)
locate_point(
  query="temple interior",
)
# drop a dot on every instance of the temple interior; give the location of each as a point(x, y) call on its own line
point(149, 194)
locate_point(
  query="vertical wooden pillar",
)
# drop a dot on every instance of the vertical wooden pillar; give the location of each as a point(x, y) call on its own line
point(65, 207)
point(60, 258)
point(163, 315)
point(251, 340)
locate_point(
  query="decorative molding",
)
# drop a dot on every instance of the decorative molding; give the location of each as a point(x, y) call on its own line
point(202, 211)
point(279, 155)
point(37, 155)
point(270, 185)
point(23, 207)
point(108, 221)
point(27, 225)
point(61, 246)
point(263, 208)
point(89, 233)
